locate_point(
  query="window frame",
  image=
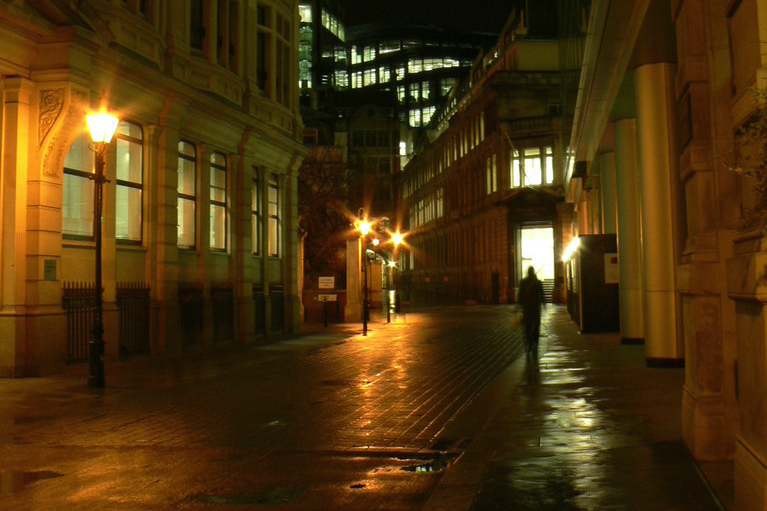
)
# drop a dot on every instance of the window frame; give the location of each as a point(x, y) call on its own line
point(274, 227)
point(255, 210)
point(128, 183)
point(78, 173)
point(216, 204)
point(185, 196)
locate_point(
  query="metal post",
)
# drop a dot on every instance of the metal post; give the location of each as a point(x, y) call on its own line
point(364, 287)
point(96, 344)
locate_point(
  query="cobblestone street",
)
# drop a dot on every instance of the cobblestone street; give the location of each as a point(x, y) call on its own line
point(438, 410)
point(328, 420)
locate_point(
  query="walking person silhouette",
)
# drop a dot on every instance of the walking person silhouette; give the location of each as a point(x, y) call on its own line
point(531, 298)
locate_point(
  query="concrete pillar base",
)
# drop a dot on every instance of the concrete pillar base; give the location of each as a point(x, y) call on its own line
point(703, 421)
point(750, 478)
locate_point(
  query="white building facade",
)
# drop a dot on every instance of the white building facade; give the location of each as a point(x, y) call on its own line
point(199, 219)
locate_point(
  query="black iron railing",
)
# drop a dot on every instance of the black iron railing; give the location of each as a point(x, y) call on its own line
point(78, 299)
point(133, 308)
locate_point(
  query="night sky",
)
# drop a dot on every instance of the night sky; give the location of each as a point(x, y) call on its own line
point(475, 15)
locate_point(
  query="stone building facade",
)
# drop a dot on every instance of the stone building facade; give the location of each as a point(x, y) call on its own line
point(491, 167)
point(200, 207)
point(667, 84)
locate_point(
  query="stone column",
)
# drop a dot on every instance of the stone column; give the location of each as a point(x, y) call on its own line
point(608, 189)
point(353, 311)
point(163, 229)
point(16, 96)
point(629, 232)
point(659, 189)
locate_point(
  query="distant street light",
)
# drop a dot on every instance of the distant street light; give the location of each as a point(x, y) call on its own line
point(102, 127)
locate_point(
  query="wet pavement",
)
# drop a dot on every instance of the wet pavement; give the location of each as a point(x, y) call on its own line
point(439, 409)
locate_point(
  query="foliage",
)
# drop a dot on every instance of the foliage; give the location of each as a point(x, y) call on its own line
point(751, 141)
point(323, 216)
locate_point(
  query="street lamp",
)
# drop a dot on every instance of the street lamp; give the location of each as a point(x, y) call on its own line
point(363, 225)
point(102, 127)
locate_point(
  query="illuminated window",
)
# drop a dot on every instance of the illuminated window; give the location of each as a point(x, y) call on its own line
point(356, 79)
point(548, 163)
point(415, 91)
point(342, 79)
point(425, 90)
point(356, 56)
point(401, 73)
point(415, 66)
point(415, 117)
point(305, 12)
point(401, 94)
point(427, 113)
point(369, 53)
point(78, 189)
point(130, 182)
point(218, 228)
point(446, 84)
point(369, 77)
point(384, 74)
point(533, 167)
point(187, 186)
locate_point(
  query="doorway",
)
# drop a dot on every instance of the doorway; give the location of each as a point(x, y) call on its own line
point(537, 250)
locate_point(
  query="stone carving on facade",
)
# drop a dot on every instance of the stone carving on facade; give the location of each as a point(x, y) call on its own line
point(51, 107)
point(51, 104)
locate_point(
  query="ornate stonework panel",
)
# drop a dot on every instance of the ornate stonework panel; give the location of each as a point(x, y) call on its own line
point(51, 104)
point(54, 142)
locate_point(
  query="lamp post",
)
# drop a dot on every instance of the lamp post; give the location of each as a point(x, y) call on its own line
point(102, 126)
point(363, 225)
point(397, 240)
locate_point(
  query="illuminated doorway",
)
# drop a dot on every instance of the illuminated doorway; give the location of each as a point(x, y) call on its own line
point(537, 250)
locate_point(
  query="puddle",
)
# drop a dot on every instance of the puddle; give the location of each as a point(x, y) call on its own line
point(429, 466)
point(277, 495)
point(13, 481)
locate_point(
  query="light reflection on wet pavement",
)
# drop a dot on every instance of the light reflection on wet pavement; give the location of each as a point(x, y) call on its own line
point(591, 428)
point(397, 420)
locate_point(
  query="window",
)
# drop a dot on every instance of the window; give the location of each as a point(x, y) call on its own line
point(218, 201)
point(369, 77)
point(745, 41)
point(273, 235)
point(305, 12)
point(78, 190)
point(129, 181)
point(282, 60)
point(492, 175)
point(384, 74)
point(532, 166)
point(196, 25)
point(255, 208)
point(263, 49)
point(187, 196)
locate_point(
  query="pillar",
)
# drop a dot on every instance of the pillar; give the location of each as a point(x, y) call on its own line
point(16, 95)
point(629, 232)
point(658, 194)
point(607, 182)
point(353, 310)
